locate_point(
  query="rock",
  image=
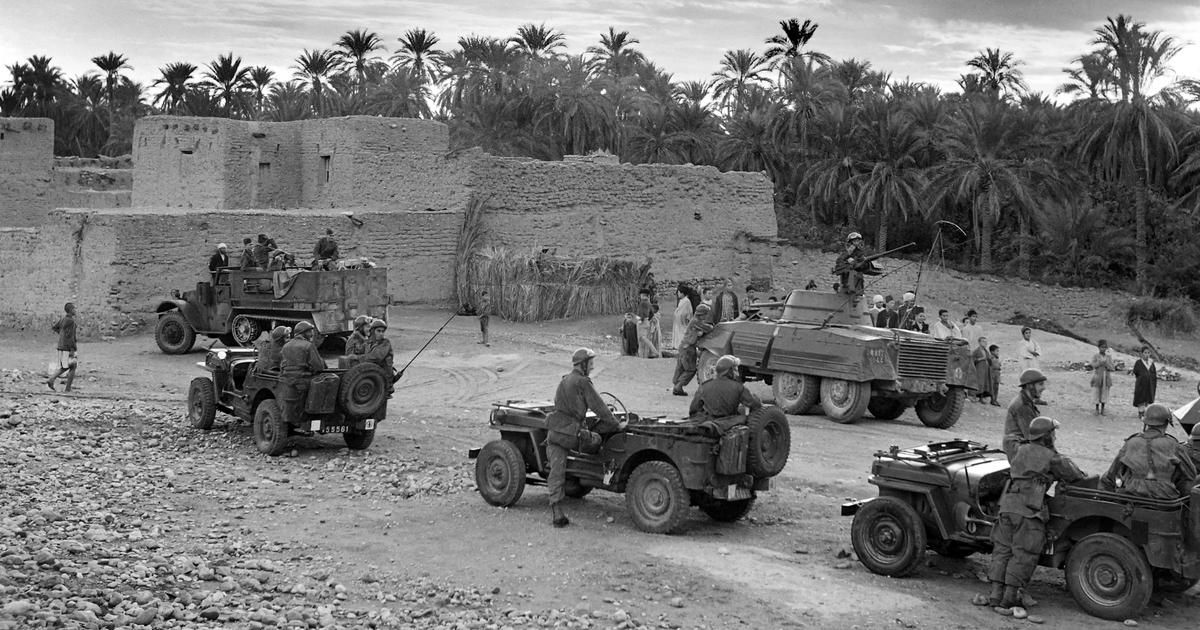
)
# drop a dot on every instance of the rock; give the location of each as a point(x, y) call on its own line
point(19, 608)
point(210, 614)
point(676, 602)
point(1131, 622)
point(146, 617)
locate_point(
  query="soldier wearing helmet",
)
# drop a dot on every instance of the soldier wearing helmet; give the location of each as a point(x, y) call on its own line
point(1022, 410)
point(574, 397)
point(1152, 463)
point(270, 350)
point(1020, 532)
point(299, 362)
point(357, 343)
point(850, 265)
point(717, 402)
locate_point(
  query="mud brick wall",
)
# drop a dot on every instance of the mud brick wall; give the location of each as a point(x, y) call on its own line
point(693, 221)
point(26, 159)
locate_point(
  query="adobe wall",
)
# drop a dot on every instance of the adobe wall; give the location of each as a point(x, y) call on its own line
point(26, 157)
point(694, 221)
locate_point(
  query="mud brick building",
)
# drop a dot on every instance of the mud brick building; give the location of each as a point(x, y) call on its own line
point(199, 181)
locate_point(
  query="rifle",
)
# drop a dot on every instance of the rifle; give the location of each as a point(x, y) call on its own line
point(867, 260)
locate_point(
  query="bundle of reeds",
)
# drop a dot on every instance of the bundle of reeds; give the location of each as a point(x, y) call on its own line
point(533, 285)
point(470, 239)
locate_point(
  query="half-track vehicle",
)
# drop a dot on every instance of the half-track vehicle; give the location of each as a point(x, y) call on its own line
point(351, 401)
point(662, 466)
point(818, 351)
point(238, 305)
point(1115, 549)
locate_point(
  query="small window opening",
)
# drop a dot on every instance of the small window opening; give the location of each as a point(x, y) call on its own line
point(323, 174)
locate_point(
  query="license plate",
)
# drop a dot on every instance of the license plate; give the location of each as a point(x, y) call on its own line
point(370, 424)
point(736, 493)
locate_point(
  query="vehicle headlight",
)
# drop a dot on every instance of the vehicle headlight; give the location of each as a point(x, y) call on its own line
point(221, 355)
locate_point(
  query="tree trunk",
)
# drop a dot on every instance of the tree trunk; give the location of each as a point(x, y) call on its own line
point(985, 245)
point(1141, 259)
point(881, 237)
point(1023, 246)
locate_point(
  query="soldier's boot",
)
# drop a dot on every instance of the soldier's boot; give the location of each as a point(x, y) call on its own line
point(1025, 599)
point(559, 516)
point(997, 594)
point(1009, 602)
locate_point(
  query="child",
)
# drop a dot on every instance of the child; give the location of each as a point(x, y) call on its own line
point(646, 348)
point(484, 310)
point(994, 368)
point(629, 335)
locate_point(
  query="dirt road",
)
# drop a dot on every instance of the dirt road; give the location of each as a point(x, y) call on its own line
point(401, 529)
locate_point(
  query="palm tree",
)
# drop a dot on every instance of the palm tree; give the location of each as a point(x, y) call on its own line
point(402, 93)
point(228, 77)
point(175, 78)
point(693, 91)
point(535, 41)
point(313, 67)
point(616, 55)
point(418, 52)
point(355, 46)
point(1136, 56)
point(288, 101)
point(260, 78)
point(740, 69)
point(890, 179)
point(790, 45)
point(998, 71)
point(89, 129)
point(858, 79)
point(1093, 77)
point(111, 64)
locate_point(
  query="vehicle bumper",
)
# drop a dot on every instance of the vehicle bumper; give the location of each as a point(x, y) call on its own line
point(850, 508)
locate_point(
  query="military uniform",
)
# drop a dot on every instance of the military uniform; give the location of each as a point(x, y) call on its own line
point(718, 401)
point(270, 354)
point(357, 343)
point(851, 279)
point(1151, 464)
point(299, 361)
point(1020, 533)
point(1021, 411)
point(572, 400)
point(685, 361)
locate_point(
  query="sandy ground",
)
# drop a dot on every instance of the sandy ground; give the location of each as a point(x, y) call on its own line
point(778, 568)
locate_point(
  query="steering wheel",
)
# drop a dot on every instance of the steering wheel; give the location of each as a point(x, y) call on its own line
point(614, 403)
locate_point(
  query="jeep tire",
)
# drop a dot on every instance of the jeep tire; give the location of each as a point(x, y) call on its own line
point(359, 439)
point(656, 499)
point(173, 333)
point(202, 403)
point(844, 401)
point(270, 429)
point(889, 536)
point(363, 389)
point(770, 441)
point(795, 393)
point(1109, 577)
point(500, 473)
point(942, 411)
point(726, 511)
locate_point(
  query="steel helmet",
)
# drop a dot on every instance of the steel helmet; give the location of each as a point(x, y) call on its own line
point(1157, 415)
point(853, 236)
point(377, 323)
point(1040, 426)
point(581, 355)
point(1031, 376)
point(279, 333)
point(301, 328)
point(1196, 435)
point(727, 363)
point(362, 320)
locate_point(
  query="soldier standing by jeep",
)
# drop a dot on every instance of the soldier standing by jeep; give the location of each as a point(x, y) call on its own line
point(1152, 463)
point(572, 400)
point(1020, 532)
point(718, 400)
point(685, 361)
point(1022, 410)
point(299, 362)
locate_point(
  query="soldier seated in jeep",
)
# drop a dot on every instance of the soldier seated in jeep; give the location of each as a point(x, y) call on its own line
point(718, 401)
point(270, 351)
point(1152, 463)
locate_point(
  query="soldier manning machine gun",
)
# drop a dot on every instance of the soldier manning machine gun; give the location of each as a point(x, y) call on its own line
point(866, 265)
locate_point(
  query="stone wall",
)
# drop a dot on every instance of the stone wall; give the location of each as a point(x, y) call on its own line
point(26, 157)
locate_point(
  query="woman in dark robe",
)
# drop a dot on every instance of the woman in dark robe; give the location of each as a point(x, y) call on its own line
point(629, 335)
point(983, 373)
point(1145, 384)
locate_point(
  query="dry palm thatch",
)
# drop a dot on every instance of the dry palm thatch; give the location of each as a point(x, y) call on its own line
point(470, 239)
point(534, 286)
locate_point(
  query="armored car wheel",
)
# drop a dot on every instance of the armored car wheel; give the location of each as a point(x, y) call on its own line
point(202, 403)
point(844, 401)
point(706, 366)
point(358, 440)
point(245, 330)
point(363, 389)
point(795, 393)
point(173, 333)
point(1109, 577)
point(886, 408)
point(656, 498)
point(727, 511)
point(574, 489)
point(770, 442)
point(500, 473)
point(942, 411)
point(888, 536)
point(270, 429)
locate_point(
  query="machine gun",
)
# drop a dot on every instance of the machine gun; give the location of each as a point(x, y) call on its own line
point(865, 264)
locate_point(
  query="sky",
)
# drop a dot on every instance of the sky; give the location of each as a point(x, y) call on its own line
point(922, 40)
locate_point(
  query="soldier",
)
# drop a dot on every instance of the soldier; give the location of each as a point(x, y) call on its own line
point(378, 349)
point(357, 343)
point(572, 400)
point(1152, 463)
point(219, 259)
point(67, 360)
point(326, 248)
point(1022, 410)
point(718, 401)
point(849, 265)
point(685, 361)
point(270, 350)
point(299, 362)
point(262, 251)
point(1020, 533)
point(247, 254)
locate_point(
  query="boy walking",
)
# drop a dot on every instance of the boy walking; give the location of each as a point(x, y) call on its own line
point(67, 361)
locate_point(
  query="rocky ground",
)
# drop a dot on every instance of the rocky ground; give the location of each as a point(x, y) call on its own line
point(115, 514)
